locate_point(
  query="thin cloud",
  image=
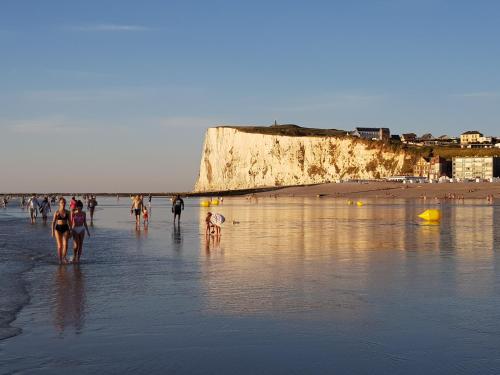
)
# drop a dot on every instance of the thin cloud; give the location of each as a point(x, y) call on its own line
point(46, 126)
point(110, 27)
point(84, 95)
point(480, 94)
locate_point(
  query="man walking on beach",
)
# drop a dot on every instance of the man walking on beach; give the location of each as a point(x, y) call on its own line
point(33, 206)
point(136, 209)
point(177, 207)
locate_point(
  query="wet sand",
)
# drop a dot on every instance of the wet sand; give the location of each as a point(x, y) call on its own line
point(390, 190)
point(296, 285)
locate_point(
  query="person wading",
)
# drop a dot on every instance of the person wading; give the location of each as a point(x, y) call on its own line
point(61, 230)
point(136, 209)
point(177, 207)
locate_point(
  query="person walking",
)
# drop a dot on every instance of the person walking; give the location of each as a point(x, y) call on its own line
point(145, 217)
point(45, 209)
point(177, 208)
point(136, 209)
point(33, 207)
point(79, 226)
point(61, 230)
point(72, 204)
point(91, 204)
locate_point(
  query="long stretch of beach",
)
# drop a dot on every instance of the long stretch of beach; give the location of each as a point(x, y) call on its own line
point(470, 190)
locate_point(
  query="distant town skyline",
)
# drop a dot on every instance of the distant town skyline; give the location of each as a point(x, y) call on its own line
point(116, 96)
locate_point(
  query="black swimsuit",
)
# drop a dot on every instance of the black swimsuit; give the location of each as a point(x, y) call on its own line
point(62, 228)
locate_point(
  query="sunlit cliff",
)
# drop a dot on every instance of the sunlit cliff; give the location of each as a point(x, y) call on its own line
point(244, 158)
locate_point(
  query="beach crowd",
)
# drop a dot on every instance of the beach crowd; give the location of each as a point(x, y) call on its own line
point(71, 224)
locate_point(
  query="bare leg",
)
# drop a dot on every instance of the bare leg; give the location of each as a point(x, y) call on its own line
point(75, 247)
point(65, 238)
point(80, 246)
point(59, 241)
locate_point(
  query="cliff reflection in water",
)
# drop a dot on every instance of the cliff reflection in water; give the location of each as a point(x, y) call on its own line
point(69, 303)
point(291, 255)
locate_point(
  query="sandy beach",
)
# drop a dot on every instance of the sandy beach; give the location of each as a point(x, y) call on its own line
point(390, 190)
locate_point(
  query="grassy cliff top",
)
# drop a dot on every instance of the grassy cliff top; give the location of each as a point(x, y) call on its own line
point(449, 152)
point(289, 130)
point(292, 130)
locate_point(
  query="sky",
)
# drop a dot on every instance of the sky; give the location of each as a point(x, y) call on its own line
point(102, 95)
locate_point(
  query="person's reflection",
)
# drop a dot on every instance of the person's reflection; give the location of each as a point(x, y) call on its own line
point(212, 243)
point(69, 308)
point(177, 235)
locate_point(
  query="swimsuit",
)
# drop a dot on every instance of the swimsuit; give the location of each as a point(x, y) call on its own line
point(62, 228)
point(78, 220)
point(137, 211)
point(79, 230)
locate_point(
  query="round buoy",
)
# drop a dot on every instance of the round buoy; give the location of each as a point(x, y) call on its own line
point(431, 215)
point(215, 202)
point(359, 203)
point(205, 204)
point(349, 202)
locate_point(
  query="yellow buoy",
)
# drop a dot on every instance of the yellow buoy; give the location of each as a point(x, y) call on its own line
point(431, 215)
point(205, 204)
point(359, 203)
point(215, 202)
point(349, 202)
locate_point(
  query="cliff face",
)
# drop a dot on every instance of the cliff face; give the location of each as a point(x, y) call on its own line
point(234, 159)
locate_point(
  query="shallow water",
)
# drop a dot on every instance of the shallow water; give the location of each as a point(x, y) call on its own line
point(293, 286)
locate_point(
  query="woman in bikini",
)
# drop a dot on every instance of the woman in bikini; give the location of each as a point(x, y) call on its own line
point(61, 230)
point(79, 227)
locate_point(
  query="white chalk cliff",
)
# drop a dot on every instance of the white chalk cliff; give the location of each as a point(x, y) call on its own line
point(235, 159)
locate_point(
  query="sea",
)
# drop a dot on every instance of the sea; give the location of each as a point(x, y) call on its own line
point(291, 286)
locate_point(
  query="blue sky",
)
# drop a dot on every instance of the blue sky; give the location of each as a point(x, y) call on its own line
point(116, 95)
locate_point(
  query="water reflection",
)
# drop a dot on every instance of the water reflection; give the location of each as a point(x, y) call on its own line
point(69, 304)
point(177, 238)
point(303, 255)
point(212, 244)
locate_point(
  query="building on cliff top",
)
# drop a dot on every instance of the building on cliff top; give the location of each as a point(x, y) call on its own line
point(379, 134)
point(408, 137)
point(471, 136)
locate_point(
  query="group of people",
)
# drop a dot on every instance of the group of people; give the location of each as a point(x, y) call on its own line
point(213, 222)
point(43, 206)
point(34, 206)
point(67, 224)
point(71, 224)
point(138, 208)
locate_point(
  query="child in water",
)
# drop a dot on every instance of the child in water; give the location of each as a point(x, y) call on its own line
point(208, 223)
point(145, 216)
point(214, 222)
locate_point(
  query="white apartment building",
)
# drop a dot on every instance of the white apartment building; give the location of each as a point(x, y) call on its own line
point(469, 168)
